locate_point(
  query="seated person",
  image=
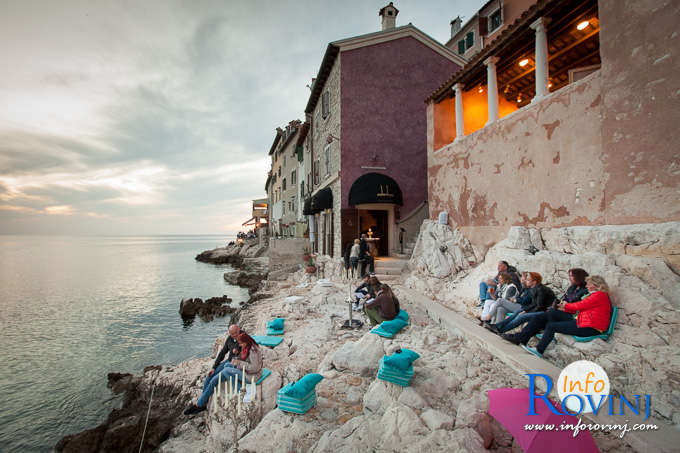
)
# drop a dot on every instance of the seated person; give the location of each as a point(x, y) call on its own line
point(534, 301)
point(382, 308)
point(368, 289)
point(577, 285)
point(248, 361)
point(484, 286)
point(594, 313)
point(506, 291)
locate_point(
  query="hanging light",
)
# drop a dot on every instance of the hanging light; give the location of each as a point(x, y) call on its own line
point(519, 98)
point(481, 90)
point(523, 62)
point(550, 84)
point(583, 25)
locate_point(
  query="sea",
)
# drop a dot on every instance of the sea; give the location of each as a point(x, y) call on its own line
point(73, 309)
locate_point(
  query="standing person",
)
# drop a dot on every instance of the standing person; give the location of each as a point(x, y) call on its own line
point(401, 239)
point(354, 255)
point(363, 248)
point(249, 361)
point(382, 308)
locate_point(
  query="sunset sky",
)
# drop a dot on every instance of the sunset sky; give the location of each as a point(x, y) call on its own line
point(155, 117)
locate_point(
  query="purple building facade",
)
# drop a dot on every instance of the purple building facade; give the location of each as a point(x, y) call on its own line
point(367, 140)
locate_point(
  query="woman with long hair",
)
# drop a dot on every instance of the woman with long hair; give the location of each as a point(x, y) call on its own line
point(249, 362)
point(382, 308)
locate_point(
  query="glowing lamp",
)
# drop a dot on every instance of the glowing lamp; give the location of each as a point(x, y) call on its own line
point(481, 90)
point(524, 62)
point(583, 25)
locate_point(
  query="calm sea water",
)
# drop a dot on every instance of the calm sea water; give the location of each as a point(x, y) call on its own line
point(73, 309)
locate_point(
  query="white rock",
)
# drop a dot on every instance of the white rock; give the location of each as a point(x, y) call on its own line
point(460, 440)
point(278, 431)
point(411, 398)
point(400, 426)
point(361, 357)
point(379, 396)
point(437, 420)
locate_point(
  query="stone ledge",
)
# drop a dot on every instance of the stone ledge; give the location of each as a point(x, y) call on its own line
point(665, 439)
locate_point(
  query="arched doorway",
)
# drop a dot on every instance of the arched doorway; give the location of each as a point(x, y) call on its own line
point(374, 197)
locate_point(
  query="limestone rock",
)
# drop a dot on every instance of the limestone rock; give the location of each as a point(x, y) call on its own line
point(361, 357)
point(461, 440)
point(434, 420)
point(441, 252)
point(277, 431)
point(400, 426)
point(189, 308)
point(379, 396)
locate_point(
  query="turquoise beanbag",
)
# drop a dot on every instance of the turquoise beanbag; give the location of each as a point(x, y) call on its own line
point(267, 340)
point(393, 326)
point(276, 324)
point(301, 388)
point(265, 375)
point(401, 360)
point(402, 315)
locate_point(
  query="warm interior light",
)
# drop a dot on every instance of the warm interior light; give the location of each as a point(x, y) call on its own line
point(519, 98)
point(549, 84)
point(583, 25)
point(481, 90)
point(524, 62)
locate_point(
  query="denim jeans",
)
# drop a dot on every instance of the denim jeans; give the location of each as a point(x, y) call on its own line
point(515, 320)
point(227, 370)
point(562, 322)
point(484, 293)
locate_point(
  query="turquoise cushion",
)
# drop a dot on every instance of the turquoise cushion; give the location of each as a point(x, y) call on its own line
point(402, 315)
point(276, 324)
point(393, 326)
point(266, 340)
point(382, 333)
point(271, 331)
point(401, 360)
point(265, 375)
point(604, 336)
point(301, 388)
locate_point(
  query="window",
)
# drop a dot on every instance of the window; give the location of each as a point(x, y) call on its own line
point(469, 39)
point(279, 171)
point(284, 160)
point(283, 207)
point(316, 171)
point(325, 104)
point(327, 152)
point(302, 189)
point(283, 184)
point(461, 46)
point(293, 179)
point(495, 20)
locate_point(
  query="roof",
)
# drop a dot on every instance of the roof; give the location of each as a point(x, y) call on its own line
point(303, 134)
point(279, 133)
point(382, 10)
point(499, 44)
point(369, 39)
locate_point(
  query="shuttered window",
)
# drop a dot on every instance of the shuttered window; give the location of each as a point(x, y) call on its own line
point(461, 46)
point(325, 104)
point(470, 39)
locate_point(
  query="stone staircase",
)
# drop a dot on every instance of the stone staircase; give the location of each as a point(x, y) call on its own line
point(389, 268)
point(408, 250)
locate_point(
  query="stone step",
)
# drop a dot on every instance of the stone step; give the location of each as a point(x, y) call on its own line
point(387, 278)
point(390, 264)
point(387, 271)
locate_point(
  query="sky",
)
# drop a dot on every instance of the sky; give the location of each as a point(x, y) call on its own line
point(155, 117)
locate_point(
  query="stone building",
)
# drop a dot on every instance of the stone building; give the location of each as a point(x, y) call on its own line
point(484, 26)
point(365, 135)
point(282, 182)
point(567, 118)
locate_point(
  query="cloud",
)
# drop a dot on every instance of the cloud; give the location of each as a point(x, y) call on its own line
point(59, 210)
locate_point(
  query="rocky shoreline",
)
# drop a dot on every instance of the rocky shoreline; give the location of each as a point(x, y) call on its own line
point(445, 408)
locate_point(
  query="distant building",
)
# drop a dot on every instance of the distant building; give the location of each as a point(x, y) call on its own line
point(364, 140)
point(566, 118)
point(282, 182)
point(484, 26)
point(259, 214)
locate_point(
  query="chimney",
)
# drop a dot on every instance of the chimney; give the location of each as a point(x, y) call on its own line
point(455, 26)
point(389, 16)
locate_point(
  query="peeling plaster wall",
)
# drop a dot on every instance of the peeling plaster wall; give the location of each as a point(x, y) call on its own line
point(603, 150)
point(640, 109)
point(537, 166)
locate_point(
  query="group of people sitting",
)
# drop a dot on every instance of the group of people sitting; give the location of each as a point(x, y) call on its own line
point(584, 310)
point(380, 303)
point(359, 253)
point(243, 356)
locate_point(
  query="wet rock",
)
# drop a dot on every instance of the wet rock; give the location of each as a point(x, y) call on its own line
point(206, 310)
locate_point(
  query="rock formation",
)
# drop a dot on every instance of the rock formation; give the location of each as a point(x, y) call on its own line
point(207, 310)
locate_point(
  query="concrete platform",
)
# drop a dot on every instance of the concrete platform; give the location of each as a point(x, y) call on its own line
point(665, 439)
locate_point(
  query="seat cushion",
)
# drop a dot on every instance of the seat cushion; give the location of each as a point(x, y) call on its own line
point(304, 386)
point(401, 360)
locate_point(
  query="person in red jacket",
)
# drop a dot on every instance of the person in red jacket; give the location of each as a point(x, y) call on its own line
point(593, 315)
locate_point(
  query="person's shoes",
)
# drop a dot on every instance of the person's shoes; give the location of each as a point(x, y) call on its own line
point(511, 337)
point(493, 328)
point(532, 351)
point(193, 409)
point(355, 307)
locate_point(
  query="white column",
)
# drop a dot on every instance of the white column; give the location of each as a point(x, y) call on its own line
point(460, 126)
point(541, 54)
point(492, 88)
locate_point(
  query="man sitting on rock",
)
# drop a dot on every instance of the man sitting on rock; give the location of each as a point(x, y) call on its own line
point(231, 350)
point(503, 266)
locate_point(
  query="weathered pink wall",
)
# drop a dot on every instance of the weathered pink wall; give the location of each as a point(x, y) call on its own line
point(383, 114)
point(603, 150)
point(537, 166)
point(640, 49)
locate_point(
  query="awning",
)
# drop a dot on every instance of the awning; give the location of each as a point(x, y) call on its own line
point(375, 188)
point(322, 200)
